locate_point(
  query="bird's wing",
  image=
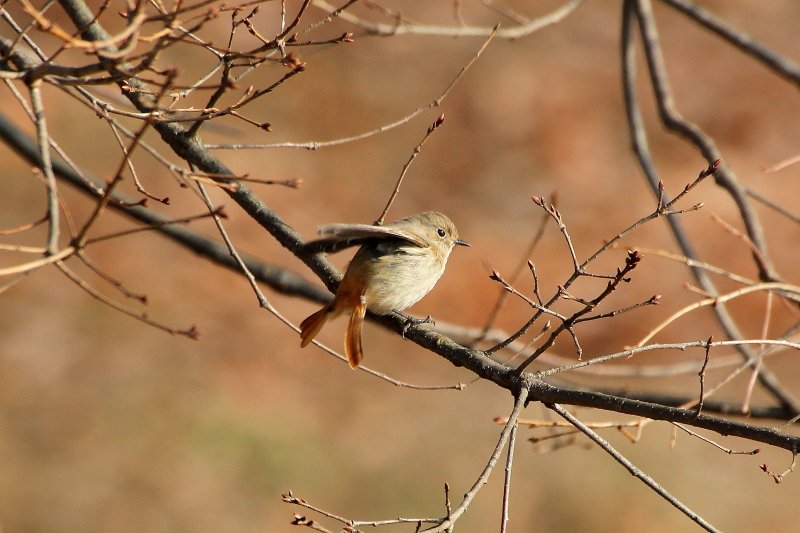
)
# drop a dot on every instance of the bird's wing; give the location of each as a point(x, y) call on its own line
point(337, 237)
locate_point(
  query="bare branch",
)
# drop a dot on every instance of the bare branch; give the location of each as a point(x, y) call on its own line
point(635, 472)
point(777, 63)
point(516, 32)
point(47, 168)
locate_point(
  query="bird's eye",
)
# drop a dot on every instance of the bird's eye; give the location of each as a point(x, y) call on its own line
point(440, 232)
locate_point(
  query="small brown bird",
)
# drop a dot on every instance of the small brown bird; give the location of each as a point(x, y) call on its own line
point(395, 267)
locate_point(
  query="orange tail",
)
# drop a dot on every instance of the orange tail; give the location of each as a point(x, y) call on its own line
point(311, 325)
point(352, 338)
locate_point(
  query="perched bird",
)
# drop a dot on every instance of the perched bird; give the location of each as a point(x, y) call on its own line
point(397, 264)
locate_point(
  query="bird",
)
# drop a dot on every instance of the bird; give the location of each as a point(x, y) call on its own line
point(396, 265)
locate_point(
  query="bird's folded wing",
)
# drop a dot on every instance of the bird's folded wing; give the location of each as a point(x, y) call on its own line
point(337, 237)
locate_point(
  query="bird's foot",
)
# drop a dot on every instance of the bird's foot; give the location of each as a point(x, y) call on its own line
point(411, 321)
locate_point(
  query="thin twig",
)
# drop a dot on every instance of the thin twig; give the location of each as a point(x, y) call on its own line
point(495, 276)
point(417, 149)
point(192, 332)
point(757, 196)
point(717, 445)
point(759, 258)
point(507, 479)
point(780, 477)
point(26, 268)
point(26, 227)
point(748, 393)
point(47, 168)
point(783, 164)
point(702, 375)
point(141, 298)
point(784, 289)
point(694, 263)
point(291, 499)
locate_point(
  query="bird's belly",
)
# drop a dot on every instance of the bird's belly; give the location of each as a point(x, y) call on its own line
point(406, 285)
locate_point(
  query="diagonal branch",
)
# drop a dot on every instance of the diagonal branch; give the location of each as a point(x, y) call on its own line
point(782, 66)
point(635, 472)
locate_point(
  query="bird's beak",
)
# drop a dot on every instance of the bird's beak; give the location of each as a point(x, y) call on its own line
point(462, 243)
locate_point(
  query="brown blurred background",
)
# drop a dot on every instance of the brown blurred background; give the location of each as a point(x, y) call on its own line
point(107, 424)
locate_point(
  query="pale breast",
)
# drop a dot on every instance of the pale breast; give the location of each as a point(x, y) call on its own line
point(400, 280)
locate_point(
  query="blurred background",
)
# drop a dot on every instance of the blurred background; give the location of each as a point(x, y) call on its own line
point(107, 424)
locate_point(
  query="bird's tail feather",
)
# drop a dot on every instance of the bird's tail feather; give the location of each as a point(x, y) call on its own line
point(352, 339)
point(311, 325)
